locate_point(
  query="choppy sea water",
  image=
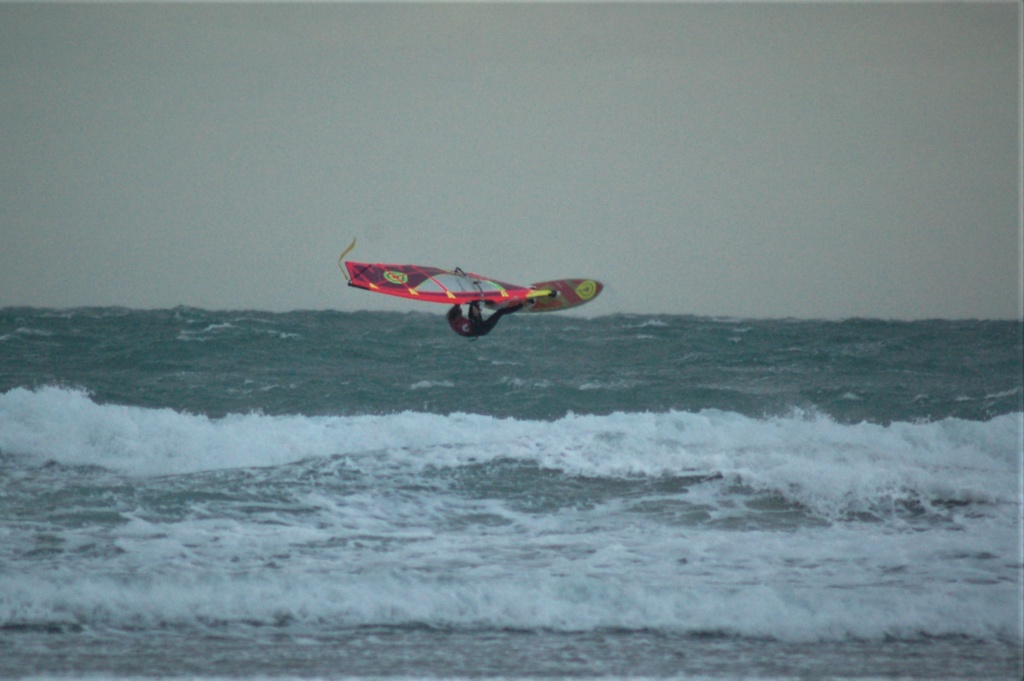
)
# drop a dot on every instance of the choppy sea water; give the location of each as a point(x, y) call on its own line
point(349, 495)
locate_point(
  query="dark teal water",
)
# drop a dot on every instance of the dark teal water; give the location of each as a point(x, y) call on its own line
point(317, 494)
point(535, 368)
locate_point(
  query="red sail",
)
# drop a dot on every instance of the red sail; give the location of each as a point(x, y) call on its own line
point(432, 284)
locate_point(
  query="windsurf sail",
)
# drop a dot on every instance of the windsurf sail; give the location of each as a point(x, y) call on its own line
point(435, 285)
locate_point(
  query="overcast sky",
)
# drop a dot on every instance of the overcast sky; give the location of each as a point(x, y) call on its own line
point(761, 160)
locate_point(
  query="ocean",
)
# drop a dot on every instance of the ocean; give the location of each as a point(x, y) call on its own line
point(245, 494)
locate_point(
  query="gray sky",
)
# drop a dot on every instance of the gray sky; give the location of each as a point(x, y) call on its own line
point(770, 160)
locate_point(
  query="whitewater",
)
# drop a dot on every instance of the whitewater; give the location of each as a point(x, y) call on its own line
point(243, 494)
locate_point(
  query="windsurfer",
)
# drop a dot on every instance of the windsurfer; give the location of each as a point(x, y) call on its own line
point(474, 325)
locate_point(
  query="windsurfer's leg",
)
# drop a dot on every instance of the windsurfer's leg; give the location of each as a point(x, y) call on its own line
point(487, 324)
point(490, 322)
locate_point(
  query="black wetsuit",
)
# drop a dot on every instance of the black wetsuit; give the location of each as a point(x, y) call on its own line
point(475, 325)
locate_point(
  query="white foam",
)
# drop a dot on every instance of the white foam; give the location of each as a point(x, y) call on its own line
point(831, 468)
point(647, 324)
point(394, 553)
point(426, 385)
point(189, 335)
point(756, 585)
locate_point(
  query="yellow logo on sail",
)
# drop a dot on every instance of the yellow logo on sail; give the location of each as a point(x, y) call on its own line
point(396, 277)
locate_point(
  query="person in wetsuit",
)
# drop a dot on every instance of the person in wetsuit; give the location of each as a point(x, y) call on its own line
point(474, 325)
